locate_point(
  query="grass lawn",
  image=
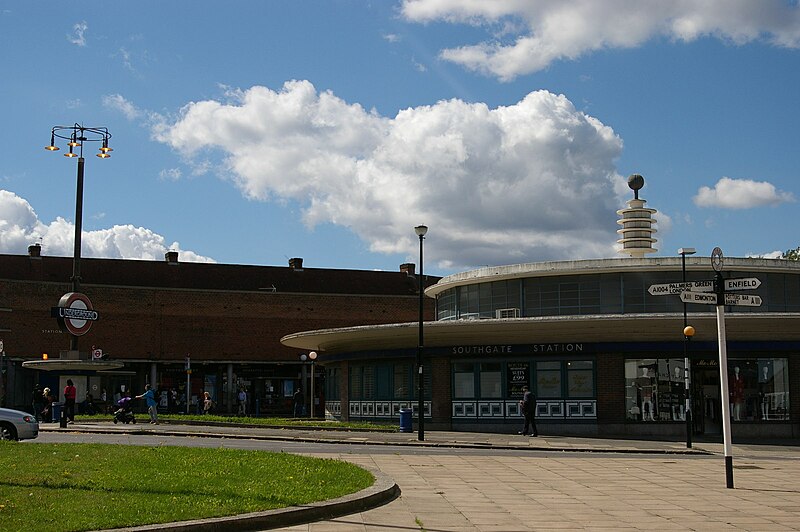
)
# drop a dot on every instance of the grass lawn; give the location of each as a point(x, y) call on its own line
point(265, 421)
point(79, 486)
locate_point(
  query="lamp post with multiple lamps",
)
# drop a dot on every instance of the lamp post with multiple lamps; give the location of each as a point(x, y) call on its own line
point(421, 230)
point(312, 356)
point(76, 136)
point(688, 332)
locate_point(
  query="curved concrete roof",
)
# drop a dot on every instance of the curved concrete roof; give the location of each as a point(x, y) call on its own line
point(549, 329)
point(57, 364)
point(582, 267)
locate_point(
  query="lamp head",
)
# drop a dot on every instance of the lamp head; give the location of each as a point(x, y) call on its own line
point(312, 355)
point(688, 331)
point(687, 251)
point(52, 146)
point(421, 230)
point(303, 357)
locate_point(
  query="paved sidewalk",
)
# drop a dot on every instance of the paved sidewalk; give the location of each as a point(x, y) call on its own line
point(603, 485)
point(437, 439)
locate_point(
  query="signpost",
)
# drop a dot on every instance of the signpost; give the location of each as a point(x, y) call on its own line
point(668, 289)
point(704, 298)
point(720, 292)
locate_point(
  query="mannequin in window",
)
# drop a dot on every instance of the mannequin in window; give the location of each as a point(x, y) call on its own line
point(764, 389)
point(737, 394)
point(678, 388)
point(646, 391)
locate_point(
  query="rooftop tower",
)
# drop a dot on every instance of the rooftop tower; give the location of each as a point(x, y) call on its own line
point(637, 223)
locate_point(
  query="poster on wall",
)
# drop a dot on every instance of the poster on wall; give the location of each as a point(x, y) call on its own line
point(518, 376)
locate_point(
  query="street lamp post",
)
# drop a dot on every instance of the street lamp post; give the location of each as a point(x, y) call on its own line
point(688, 332)
point(76, 136)
point(312, 356)
point(421, 230)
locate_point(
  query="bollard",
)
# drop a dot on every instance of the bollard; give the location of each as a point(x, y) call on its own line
point(405, 420)
point(62, 422)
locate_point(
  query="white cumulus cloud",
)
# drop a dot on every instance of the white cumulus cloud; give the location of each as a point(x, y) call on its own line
point(741, 194)
point(21, 227)
point(78, 37)
point(530, 181)
point(528, 35)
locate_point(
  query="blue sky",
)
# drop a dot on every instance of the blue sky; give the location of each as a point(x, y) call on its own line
point(251, 132)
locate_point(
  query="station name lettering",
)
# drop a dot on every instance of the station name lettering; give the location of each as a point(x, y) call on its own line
point(481, 349)
point(508, 349)
point(557, 348)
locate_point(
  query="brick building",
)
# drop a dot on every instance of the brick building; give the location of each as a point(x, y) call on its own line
point(227, 318)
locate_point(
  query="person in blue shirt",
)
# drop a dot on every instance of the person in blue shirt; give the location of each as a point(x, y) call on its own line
point(152, 405)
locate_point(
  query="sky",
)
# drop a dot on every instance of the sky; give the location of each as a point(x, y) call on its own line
point(253, 132)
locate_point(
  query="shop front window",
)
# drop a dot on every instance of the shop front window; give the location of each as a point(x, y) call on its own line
point(402, 381)
point(490, 378)
point(580, 379)
point(548, 380)
point(655, 389)
point(758, 389)
point(464, 380)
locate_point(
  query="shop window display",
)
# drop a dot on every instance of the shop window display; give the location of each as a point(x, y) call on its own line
point(654, 389)
point(758, 389)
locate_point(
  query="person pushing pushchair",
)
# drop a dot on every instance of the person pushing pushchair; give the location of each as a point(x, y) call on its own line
point(124, 412)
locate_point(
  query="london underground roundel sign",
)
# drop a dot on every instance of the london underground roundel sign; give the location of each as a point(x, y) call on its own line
point(75, 313)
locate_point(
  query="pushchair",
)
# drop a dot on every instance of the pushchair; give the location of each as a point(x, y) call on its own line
point(124, 413)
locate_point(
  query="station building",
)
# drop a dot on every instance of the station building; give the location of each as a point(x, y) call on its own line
point(153, 315)
point(603, 351)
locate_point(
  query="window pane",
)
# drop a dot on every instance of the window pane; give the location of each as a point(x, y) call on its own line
point(490, 380)
point(402, 381)
point(759, 389)
point(464, 386)
point(548, 384)
point(580, 383)
point(654, 389)
point(355, 382)
point(369, 382)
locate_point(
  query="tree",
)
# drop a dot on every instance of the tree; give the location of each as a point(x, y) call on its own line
point(792, 254)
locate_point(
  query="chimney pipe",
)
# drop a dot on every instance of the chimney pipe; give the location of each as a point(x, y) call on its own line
point(35, 250)
point(408, 268)
point(171, 257)
point(296, 263)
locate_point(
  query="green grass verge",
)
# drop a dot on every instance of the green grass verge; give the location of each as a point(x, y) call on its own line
point(265, 421)
point(63, 487)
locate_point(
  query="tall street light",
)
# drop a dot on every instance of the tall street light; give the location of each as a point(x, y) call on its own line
point(421, 230)
point(688, 332)
point(76, 136)
point(312, 356)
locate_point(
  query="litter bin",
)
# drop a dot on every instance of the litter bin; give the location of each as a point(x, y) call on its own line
point(405, 420)
point(55, 411)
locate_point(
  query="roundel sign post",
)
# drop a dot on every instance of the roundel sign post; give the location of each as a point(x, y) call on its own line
point(75, 313)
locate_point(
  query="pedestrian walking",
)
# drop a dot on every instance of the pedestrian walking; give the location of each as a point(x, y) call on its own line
point(208, 403)
point(152, 405)
point(299, 403)
point(528, 407)
point(37, 402)
point(70, 393)
point(242, 402)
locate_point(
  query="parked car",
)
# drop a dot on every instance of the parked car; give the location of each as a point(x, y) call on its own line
point(17, 425)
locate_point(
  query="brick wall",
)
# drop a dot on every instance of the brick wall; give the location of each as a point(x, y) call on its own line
point(165, 324)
